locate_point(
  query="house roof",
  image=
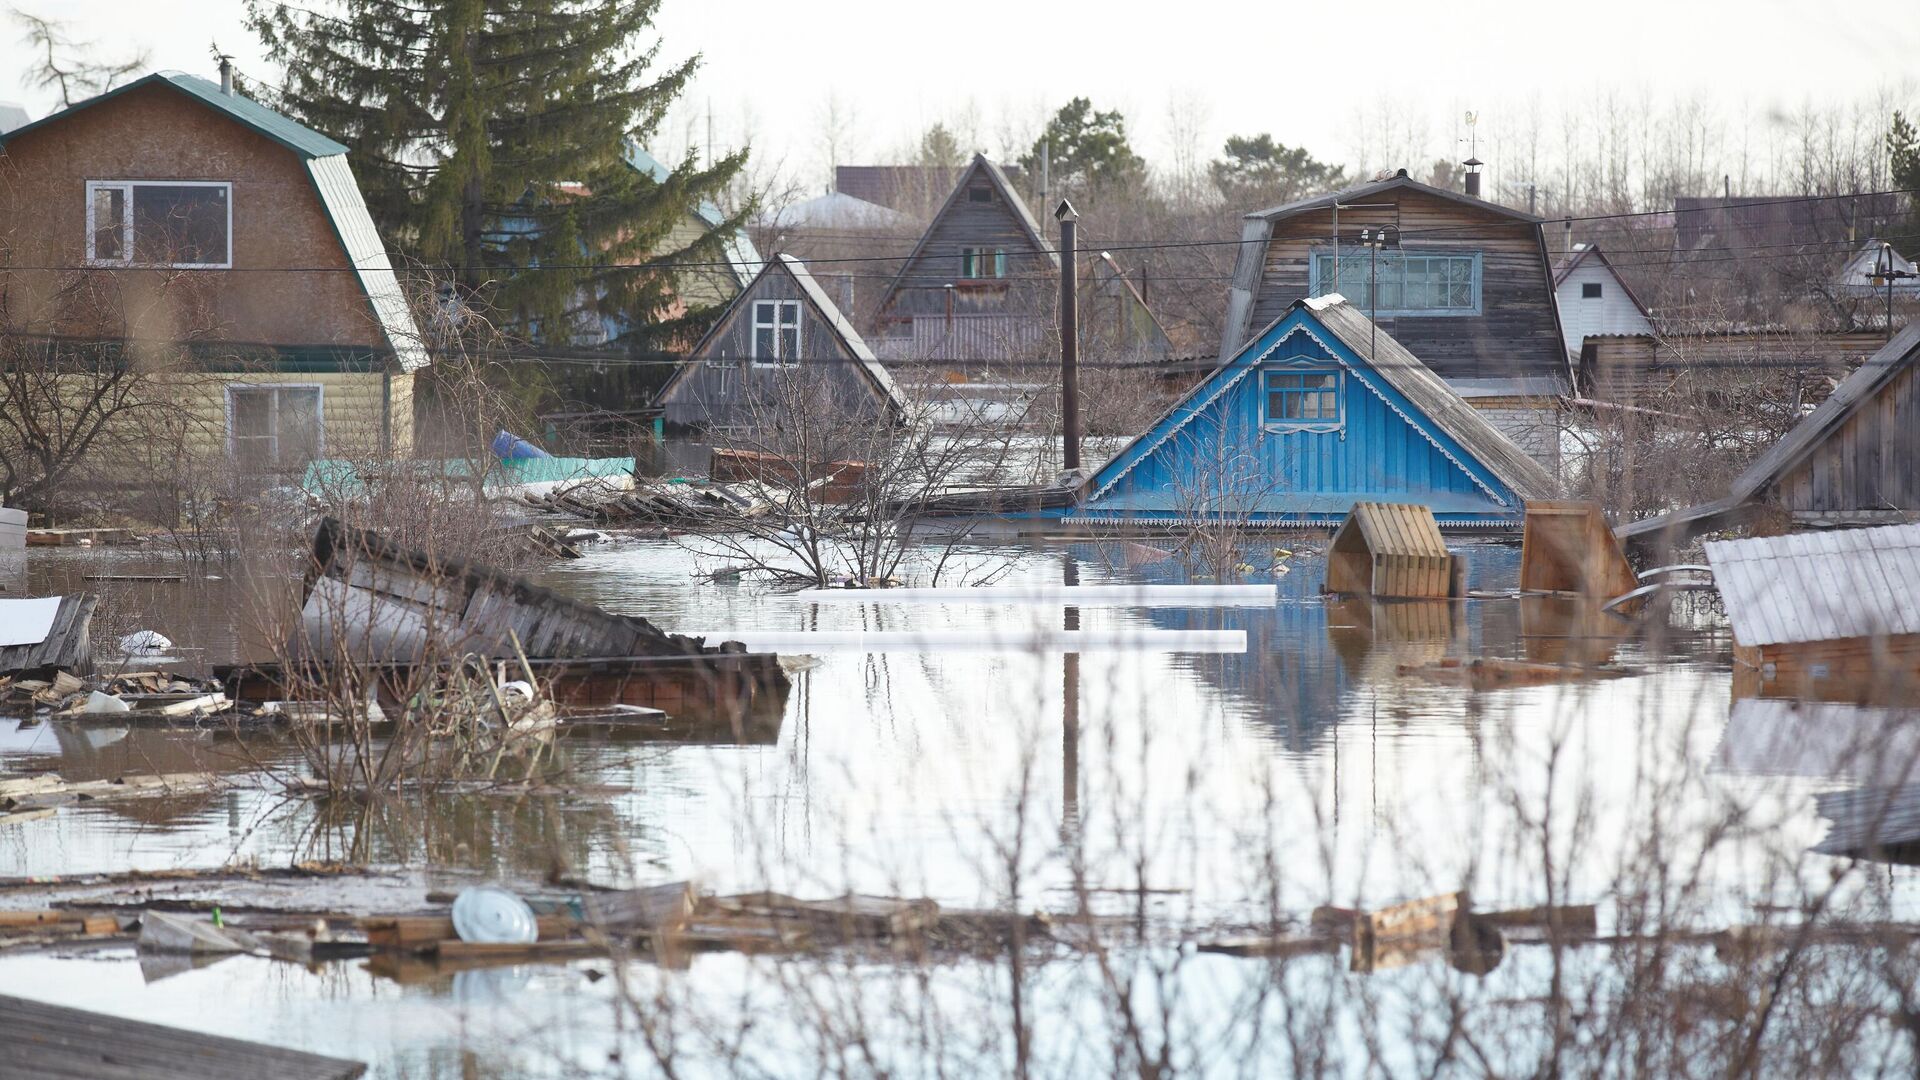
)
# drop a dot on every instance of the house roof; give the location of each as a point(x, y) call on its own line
point(1022, 216)
point(836, 210)
point(1592, 251)
point(1257, 230)
point(12, 117)
point(333, 182)
point(284, 130)
point(743, 260)
point(850, 339)
point(1403, 371)
point(1819, 586)
point(1854, 392)
point(1857, 275)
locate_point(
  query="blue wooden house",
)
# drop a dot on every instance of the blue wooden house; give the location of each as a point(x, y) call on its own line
point(1315, 413)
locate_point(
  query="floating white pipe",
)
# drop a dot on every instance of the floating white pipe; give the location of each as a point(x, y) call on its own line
point(1115, 639)
point(1044, 593)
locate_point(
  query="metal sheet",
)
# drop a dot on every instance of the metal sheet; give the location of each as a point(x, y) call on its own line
point(27, 622)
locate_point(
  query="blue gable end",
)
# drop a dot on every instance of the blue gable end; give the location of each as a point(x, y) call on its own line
point(1294, 430)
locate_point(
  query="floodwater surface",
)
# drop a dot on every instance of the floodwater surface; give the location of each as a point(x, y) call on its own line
point(1190, 791)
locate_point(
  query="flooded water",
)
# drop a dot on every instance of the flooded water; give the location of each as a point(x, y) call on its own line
point(1194, 790)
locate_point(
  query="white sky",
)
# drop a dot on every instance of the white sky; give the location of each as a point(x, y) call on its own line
point(1300, 71)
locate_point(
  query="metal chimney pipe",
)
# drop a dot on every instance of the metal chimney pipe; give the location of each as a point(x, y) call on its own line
point(226, 75)
point(1069, 337)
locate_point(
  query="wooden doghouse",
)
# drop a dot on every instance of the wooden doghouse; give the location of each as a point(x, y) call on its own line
point(1389, 550)
point(1567, 547)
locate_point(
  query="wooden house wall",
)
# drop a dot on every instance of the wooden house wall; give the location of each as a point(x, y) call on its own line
point(1867, 464)
point(158, 133)
point(1612, 312)
point(1513, 336)
point(707, 398)
point(1376, 456)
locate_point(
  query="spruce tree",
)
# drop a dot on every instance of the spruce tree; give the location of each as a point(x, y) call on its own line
point(489, 138)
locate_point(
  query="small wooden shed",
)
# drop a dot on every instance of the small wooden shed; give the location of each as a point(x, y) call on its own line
point(1831, 616)
point(1389, 550)
point(1567, 547)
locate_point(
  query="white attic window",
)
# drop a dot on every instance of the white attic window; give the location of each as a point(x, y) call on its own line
point(160, 223)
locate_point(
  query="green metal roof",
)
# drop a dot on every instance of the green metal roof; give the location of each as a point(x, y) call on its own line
point(297, 137)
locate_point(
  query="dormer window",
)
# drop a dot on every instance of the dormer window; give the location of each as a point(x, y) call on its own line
point(160, 223)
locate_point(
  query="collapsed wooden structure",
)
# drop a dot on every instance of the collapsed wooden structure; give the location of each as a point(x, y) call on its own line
point(374, 605)
point(1389, 550)
point(1831, 616)
point(67, 646)
point(45, 1040)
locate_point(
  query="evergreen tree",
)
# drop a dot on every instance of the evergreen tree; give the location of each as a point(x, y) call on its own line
point(941, 149)
point(1086, 148)
point(1903, 162)
point(1259, 170)
point(490, 136)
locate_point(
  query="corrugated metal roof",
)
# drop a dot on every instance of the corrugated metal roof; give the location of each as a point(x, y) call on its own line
point(289, 133)
point(340, 194)
point(1782, 590)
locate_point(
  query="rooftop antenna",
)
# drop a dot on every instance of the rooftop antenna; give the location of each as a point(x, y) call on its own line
point(1473, 161)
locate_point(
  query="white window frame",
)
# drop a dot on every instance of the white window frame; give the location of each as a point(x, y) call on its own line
point(126, 224)
point(319, 406)
point(1284, 424)
point(776, 323)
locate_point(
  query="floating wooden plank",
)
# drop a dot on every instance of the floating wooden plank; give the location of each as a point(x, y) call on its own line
point(42, 1040)
point(72, 537)
point(1389, 550)
point(637, 910)
point(158, 579)
point(428, 931)
point(1567, 547)
point(1076, 595)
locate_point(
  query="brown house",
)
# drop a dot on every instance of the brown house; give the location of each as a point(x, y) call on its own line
point(173, 218)
point(1464, 284)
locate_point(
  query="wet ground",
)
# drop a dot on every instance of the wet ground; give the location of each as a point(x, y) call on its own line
point(1212, 789)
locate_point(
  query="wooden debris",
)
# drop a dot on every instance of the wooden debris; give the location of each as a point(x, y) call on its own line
point(162, 579)
point(166, 932)
point(1563, 920)
point(425, 932)
point(78, 537)
point(1270, 945)
point(1492, 673)
point(68, 645)
point(639, 910)
point(847, 918)
point(47, 789)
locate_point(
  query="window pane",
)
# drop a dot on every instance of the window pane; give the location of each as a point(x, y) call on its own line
point(179, 224)
point(789, 343)
point(1329, 404)
point(109, 217)
point(763, 343)
point(1276, 404)
point(298, 411)
point(252, 412)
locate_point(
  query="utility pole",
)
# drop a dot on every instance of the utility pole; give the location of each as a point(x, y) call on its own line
point(1885, 271)
point(1387, 236)
point(1069, 337)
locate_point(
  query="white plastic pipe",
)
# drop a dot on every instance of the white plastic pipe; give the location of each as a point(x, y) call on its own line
point(1043, 593)
point(1115, 639)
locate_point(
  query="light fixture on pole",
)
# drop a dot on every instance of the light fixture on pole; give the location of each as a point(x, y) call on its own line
point(1375, 238)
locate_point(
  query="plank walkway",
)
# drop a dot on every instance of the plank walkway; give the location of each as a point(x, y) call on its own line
point(57, 1043)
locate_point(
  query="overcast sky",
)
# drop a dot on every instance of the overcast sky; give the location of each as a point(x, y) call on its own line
point(1300, 71)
